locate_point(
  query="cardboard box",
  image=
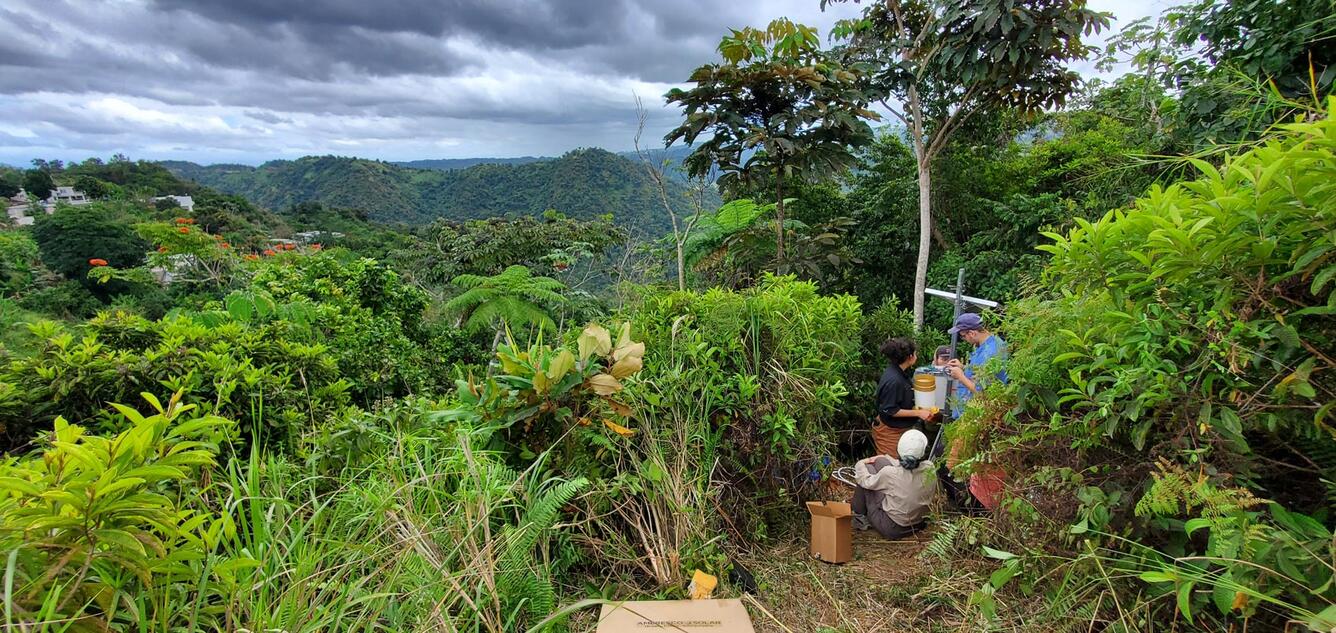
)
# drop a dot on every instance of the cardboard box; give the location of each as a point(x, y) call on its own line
point(682, 616)
point(832, 531)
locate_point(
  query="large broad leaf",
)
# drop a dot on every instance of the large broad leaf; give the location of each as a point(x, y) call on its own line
point(604, 384)
point(595, 339)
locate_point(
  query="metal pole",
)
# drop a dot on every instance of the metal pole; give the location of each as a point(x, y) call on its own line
point(948, 415)
point(960, 295)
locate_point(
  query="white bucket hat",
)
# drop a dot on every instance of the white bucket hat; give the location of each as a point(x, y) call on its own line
point(912, 444)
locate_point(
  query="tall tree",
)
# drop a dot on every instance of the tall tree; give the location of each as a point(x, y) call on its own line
point(73, 236)
point(778, 106)
point(38, 184)
point(9, 184)
point(935, 63)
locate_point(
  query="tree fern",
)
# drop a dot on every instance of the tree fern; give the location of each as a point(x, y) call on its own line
point(514, 297)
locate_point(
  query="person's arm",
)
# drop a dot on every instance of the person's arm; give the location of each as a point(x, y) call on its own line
point(958, 373)
point(889, 397)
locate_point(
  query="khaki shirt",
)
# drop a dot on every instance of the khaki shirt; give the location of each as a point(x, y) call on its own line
point(905, 494)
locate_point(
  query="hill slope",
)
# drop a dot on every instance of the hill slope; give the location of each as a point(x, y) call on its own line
point(582, 183)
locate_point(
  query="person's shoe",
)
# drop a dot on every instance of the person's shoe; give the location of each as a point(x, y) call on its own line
point(860, 522)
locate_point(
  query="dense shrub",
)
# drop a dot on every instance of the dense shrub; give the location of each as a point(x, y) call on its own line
point(768, 366)
point(18, 262)
point(106, 531)
point(265, 376)
point(369, 319)
point(1189, 340)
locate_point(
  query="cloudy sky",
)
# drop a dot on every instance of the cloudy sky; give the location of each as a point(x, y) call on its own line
point(253, 80)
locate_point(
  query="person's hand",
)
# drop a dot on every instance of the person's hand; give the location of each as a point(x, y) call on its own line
point(956, 370)
point(924, 414)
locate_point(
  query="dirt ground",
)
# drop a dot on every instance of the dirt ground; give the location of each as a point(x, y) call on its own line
point(871, 593)
point(881, 590)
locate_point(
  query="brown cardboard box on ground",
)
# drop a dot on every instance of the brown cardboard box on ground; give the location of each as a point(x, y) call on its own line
point(683, 616)
point(832, 531)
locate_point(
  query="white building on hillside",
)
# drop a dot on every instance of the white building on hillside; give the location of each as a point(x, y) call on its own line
point(185, 202)
point(67, 195)
point(17, 208)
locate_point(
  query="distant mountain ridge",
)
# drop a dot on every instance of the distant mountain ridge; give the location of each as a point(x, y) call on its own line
point(582, 183)
point(673, 155)
point(450, 164)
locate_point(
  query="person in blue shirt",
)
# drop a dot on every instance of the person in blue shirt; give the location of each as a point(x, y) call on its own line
point(986, 347)
point(985, 485)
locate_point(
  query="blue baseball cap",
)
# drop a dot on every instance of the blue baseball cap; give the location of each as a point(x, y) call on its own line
point(966, 322)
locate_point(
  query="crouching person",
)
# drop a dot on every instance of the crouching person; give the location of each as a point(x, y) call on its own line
point(893, 494)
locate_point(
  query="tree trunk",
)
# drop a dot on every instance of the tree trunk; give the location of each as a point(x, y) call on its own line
point(925, 240)
point(779, 219)
point(681, 261)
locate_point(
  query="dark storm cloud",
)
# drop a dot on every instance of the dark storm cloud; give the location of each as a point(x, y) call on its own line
point(652, 40)
point(388, 78)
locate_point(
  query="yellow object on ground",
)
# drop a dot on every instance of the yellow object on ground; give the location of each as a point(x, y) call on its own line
point(702, 585)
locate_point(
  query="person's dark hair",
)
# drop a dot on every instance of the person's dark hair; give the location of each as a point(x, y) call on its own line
point(897, 349)
point(943, 350)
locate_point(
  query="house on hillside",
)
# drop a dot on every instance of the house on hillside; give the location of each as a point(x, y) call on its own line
point(185, 202)
point(315, 237)
point(18, 207)
point(66, 195)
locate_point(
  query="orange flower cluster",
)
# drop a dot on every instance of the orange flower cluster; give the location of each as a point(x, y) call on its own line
point(185, 220)
point(162, 249)
point(250, 257)
point(285, 247)
point(270, 252)
point(97, 261)
point(183, 230)
point(316, 247)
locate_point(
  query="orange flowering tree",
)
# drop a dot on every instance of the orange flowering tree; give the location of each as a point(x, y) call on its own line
point(190, 254)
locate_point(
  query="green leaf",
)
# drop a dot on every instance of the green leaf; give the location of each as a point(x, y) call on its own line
point(1192, 525)
point(1001, 576)
point(1222, 593)
point(997, 553)
point(1324, 621)
point(1320, 280)
point(1185, 599)
point(1158, 576)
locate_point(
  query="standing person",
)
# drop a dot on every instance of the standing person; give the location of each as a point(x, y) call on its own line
point(986, 347)
point(987, 480)
point(893, 494)
point(895, 397)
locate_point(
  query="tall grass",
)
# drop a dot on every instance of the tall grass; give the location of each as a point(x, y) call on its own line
point(434, 535)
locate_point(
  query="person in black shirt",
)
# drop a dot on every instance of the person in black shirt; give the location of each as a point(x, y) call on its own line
point(895, 398)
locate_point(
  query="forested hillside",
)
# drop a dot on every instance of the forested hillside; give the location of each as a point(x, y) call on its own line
point(583, 184)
